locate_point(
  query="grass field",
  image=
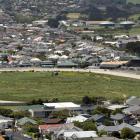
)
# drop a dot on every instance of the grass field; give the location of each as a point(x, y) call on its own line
point(73, 15)
point(134, 1)
point(132, 31)
point(67, 86)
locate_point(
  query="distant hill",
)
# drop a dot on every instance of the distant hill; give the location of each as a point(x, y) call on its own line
point(110, 1)
point(105, 2)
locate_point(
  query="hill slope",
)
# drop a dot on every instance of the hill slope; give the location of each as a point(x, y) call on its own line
point(67, 86)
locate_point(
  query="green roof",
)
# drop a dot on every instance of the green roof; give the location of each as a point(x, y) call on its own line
point(26, 120)
point(24, 108)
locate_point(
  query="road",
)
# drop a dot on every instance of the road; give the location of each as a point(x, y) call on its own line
point(127, 74)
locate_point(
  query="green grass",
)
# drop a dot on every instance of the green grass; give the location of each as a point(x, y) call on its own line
point(109, 31)
point(133, 1)
point(132, 31)
point(134, 17)
point(67, 86)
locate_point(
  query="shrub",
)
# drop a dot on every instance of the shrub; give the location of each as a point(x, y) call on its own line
point(115, 134)
point(62, 114)
point(127, 133)
point(102, 110)
point(30, 129)
point(116, 111)
point(102, 132)
point(20, 114)
point(86, 126)
point(86, 100)
point(6, 112)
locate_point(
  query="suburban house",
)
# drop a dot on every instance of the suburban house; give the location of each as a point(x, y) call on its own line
point(131, 109)
point(117, 118)
point(59, 134)
point(98, 118)
point(62, 106)
point(112, 64)
point(70, 106)
point(116, 106)
point(78, 118)
point(117, 128)
point(133, 101)
point(80, 135)
point(39, 112)
point(48, 128)
point(24, 121)
point(66, 132)
point(47, 64)
point(5, 122)
point(48, 108)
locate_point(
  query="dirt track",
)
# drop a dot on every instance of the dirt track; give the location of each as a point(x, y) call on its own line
point(99, 71)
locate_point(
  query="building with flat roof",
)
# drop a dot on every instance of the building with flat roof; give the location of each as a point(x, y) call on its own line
point(112, 64)
point(107, 24)
point(48, 108)
point(62, 105)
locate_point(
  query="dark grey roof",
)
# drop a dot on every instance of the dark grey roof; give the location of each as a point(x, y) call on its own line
point(96, 117)
point(4, 118)
point(118, 128)
point(117, 116)
point(133, 101)
point(131, 109)
point(136, 112)
point(86, 115)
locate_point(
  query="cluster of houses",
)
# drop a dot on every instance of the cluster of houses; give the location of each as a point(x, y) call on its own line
point(60, 126)
point(37, 45)
point(106, 24)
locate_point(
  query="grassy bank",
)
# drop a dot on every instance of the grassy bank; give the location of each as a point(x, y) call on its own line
point(67, 86)
point(133, 1)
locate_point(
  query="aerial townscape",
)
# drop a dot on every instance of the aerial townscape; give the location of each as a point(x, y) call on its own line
point(69, 69)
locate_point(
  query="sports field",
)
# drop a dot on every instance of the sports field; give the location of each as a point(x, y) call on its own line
point(67, 86)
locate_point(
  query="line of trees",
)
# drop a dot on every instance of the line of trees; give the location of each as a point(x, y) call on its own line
point(133, 47)
point(41, 101)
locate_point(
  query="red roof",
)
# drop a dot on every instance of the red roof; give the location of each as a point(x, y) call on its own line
point(54, 121)
point(46, 126)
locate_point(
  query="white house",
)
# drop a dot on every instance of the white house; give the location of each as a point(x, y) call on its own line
point(78, 118)
point(80, 135)
point(63, 105)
